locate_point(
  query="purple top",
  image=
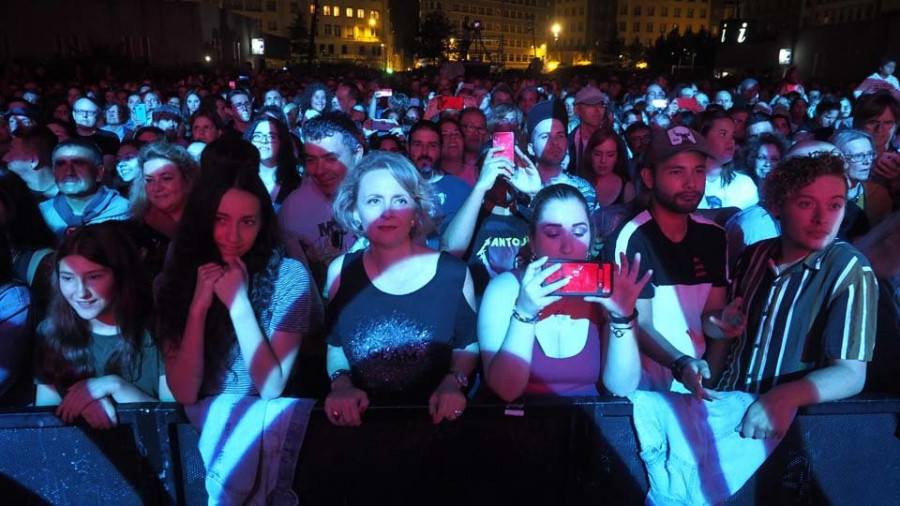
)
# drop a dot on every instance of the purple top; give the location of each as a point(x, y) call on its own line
point(575, 375)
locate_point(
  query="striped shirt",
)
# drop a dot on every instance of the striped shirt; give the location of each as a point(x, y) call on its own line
point(820, 309)
point(294, 307)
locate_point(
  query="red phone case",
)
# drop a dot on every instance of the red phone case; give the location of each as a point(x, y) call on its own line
point(507, 141)
point(588, 278)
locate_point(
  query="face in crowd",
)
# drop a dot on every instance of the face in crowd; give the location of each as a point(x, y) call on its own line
point(384, 208)
point(766, 159)
point(859, 154)
point(811, 216)
point(474, 131)
point(85, 113)
point(678, 183)
point(127, 163)
point(548, 142)
point(241, 107)
point(166, 186)
point(77, 174)
point(721, 140)
point(425, 149)
point(328, 159)
point(562, 230)
point(451, 141)
point(237, 223)
point(89, 288)
point(604, 157)
point(204, 130)
point(266, 140)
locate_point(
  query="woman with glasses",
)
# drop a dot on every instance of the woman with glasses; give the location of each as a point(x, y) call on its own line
point(877, 114)
point(277, 164)
point(755, 223)
point(859, 153)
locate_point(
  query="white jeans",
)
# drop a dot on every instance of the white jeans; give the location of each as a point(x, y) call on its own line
point(250, 447)
point(693, 451)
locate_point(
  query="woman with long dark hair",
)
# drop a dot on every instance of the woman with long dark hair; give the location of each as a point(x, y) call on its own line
point(605, 166)
point(95, 348)
point(277, 164)
point(233, 312)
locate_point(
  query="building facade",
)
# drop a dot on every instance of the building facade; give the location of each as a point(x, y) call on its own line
point(346, 31)
point(512, 32)
point(586, 28)
point(645, 20)
point(147, 32)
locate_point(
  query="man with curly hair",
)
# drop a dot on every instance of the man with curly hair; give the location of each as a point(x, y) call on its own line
point(810, 301)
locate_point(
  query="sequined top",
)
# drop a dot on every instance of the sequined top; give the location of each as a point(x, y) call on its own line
point(399, 346)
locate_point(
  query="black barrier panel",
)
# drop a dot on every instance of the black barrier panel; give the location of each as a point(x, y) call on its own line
point(566, 452)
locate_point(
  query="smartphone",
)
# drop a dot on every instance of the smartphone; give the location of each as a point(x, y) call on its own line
point(687, 103)
point(507, 141)
point(231, 85)
point(384, 125)
point(445, 103)
point(140, 114)
point(384, 93)
point(588, 278)
point(659, 103)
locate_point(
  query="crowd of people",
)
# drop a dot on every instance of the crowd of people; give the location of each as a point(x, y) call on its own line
point(374, 239)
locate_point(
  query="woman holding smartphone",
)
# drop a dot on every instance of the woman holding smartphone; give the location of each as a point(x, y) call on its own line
point(536, 343)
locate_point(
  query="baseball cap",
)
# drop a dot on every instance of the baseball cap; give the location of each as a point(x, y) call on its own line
point(665, 144)
point(548, 109)
point(589, 95)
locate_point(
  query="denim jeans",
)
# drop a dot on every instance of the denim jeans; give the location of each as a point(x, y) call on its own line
point(250, 447)
point(692, 450)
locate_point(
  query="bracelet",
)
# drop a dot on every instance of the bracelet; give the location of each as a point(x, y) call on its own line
point(460, 378)
point(623, 319)
point(526, 319)
point(337, 374)
point(619, 332)
point(678, 365)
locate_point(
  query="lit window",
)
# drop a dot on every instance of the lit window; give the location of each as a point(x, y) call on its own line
point(326, 10)
point(361, 13)
point(349, 12)
point(336, 10)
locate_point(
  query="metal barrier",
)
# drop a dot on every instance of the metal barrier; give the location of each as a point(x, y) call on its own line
point(558, 451)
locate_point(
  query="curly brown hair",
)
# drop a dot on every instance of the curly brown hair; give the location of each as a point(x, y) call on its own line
point(795, 173)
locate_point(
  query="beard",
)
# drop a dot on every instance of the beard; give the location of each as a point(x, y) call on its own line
point(676, 205)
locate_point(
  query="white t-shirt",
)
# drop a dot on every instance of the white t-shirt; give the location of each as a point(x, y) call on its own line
point(740, 193)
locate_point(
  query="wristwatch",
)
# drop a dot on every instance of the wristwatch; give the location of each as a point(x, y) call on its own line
point(460, 378)
point(678, 365)
point(337, 374)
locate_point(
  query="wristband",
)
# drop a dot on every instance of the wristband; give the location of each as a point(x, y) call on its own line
point(623, 319)
point(525, 319)
point(679, 364)
point(337, 374)
point(619, 332)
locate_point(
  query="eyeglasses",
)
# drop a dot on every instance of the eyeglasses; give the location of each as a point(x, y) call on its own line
point(85, 112)
point(241, 105)
point(473, 128)
point(265, 138)
point(868, 156)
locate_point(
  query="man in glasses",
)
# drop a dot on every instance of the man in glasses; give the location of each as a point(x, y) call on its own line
point(240, 111)
point(590, 107)
point(85, 113)
point(473, 126)
point(858, 151)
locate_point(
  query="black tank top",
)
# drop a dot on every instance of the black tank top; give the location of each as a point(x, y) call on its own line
point(399, 346)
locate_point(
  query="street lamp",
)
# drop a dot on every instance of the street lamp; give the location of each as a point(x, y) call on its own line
point(556, 29)
point(207, 58)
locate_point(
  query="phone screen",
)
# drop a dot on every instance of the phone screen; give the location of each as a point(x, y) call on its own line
point(450, 103)
point(588, 278)
point(505, 140)
point(659, 103)
point(384, 93)
point(231, 84)
point(140, 114)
